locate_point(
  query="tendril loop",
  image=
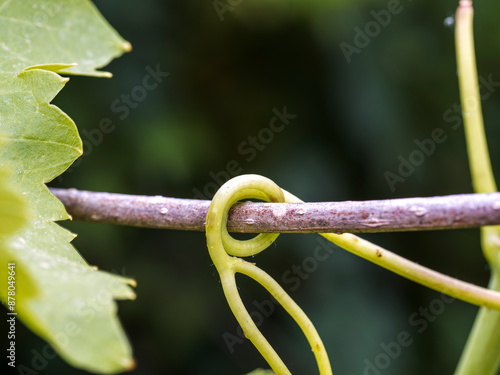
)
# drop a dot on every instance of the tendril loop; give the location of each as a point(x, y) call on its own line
point(224, 249)
point(226, 253)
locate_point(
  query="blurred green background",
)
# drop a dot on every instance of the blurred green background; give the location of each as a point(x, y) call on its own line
point(229, 67)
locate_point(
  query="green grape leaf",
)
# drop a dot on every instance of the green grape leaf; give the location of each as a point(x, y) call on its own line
point(55, 35)
point(12, 206)
point(58, 295)
point(13, 215)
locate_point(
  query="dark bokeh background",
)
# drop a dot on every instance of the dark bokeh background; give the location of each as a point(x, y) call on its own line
point(352, 122)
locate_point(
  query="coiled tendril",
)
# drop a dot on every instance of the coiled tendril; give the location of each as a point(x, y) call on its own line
point(221, 246)
point(224, 249)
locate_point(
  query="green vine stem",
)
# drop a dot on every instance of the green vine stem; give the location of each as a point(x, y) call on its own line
point(226, 251)
point(479, 159)
point(482, 350)
point(221, 244)
point(445, 284)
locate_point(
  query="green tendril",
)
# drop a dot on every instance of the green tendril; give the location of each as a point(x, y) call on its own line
point(226, 250)
point(221, 245)
point(481, 354)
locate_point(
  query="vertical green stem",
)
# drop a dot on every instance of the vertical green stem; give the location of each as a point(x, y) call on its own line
point(481, 354)
point(479, 159)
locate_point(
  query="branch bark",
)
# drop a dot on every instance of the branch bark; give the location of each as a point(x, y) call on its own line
point(408, 214)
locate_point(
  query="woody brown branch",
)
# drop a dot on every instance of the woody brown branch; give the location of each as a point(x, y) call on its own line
point(408, 214)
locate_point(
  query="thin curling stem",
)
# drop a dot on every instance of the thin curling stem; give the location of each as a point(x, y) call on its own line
point(221, 244)
point(481, 352)
point(464, 291)
point(479, 159)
